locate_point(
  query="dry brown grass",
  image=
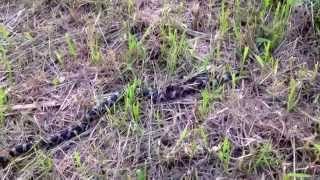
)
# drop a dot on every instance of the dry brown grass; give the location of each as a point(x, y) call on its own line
point(173, 139)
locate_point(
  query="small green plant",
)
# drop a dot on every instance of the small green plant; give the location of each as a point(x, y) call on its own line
point(95, 53)
point(293, 96)
point(192, 147)
point(208, 95)
point(205, 101)
point(236, 22)
point(141, 173)
point(205, 63)
point(130, 5)
point(203, 135)
point(224, 153)
point(260, 60)
point(217, 51)
point(265, 157)
point(118, 120)
point(173, 47)
point(72, 48)
point(237, 31)
point(3, 51)
point(299, 176)
point(44, 163)
point(316, 146)
point(274, 29)
point(234, 79)
point(55, 81)
point(136, 52)
point(266, 57)
point(244, 58)
point(3, 102)
point(28, 36)
point(267, 52)
point(223, 19)
point(8, 67)
point(77, 159)
point(4, 33)
point(303, 72)
point(136, 112)
point(132, 106)
point(274, 66)
point(158, 116)
point(130, 94)
point(4, 44)
point(317, 149)
point(183, 135)
point(59, 57)
point(265, 5)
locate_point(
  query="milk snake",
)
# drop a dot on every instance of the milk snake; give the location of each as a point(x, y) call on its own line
point(170, 92)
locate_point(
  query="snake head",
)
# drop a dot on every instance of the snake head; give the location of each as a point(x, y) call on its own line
point(4, 158)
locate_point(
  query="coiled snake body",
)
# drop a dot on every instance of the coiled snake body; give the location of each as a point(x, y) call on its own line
point(170, 92)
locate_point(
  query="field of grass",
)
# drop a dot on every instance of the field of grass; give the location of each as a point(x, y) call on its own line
point(59, 57)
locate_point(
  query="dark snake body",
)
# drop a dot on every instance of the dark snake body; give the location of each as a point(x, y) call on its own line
point(170, 92)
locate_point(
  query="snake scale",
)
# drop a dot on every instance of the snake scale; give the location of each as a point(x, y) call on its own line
point(170, 92)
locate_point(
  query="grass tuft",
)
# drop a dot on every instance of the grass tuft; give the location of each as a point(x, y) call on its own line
point(95, 53)
point(3, 102)
point(301, 176)
point(245, 56)
point(223, 19)
point(77, 159)
point(59, 57)
point(131, 103)
point(224, 153)
point(265, 157)
point(183, 135)
point(72, 48)
point(293, 96)
point(136, 53)
point(4, 33)
point(174, 47)
point(4, 46)
point(141, 174)
point(208, 95)
point(44, 163)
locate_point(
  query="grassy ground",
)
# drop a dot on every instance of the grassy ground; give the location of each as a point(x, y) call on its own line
point(59, 57)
